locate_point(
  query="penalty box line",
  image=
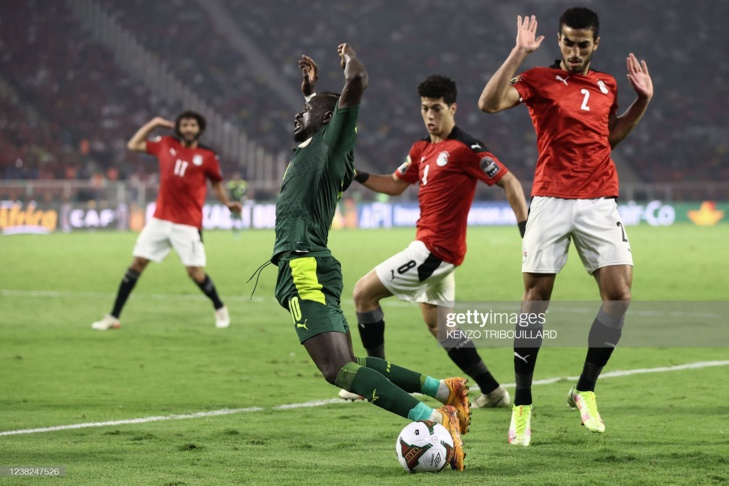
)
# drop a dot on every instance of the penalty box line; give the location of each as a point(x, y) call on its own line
point(320, 403)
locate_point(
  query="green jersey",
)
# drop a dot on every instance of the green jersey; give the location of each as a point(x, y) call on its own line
point(319, 171)
point(237, 189)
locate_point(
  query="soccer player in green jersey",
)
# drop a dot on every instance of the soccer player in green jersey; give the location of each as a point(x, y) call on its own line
point(309, 283)
point(237, 188)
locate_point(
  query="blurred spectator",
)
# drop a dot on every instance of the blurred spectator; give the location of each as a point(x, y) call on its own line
point(86, 106)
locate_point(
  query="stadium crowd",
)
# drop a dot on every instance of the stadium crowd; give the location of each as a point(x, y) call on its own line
point(88, 106)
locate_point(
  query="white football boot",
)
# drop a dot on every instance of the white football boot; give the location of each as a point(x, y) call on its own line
point(107, 323)
point(222, 318)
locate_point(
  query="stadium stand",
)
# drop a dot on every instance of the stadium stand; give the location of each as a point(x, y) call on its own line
point(89, 106)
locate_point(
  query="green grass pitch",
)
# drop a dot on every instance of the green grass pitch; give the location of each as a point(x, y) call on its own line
point(168, 359)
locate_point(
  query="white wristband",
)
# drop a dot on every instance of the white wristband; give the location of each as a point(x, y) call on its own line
point(308, 98)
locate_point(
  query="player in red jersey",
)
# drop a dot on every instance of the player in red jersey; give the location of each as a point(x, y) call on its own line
point(447, 166)
point(574, 112)
point(185, 166)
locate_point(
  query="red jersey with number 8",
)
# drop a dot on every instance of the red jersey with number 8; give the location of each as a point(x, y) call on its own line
point(571, 114)
point(447, 172)
point(183, 175)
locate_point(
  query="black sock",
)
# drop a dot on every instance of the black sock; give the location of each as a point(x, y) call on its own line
point(526, 349)
point(208, 288)
point(125, 288)
point(467, 359)
point(523, 393)
point(588, 378)
point(525, 360)
point(371, 327)
point(604, 336)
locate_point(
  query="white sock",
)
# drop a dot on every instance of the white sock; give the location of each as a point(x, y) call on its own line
point(443, 392)
point(436, 417)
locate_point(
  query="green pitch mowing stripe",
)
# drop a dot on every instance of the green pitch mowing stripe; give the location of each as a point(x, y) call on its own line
point(319, 403)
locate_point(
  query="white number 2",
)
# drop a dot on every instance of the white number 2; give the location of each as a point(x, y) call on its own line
point(180, 167)
point(425, 175)
point(584, 101)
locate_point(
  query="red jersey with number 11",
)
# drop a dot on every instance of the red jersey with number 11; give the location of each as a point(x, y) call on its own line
point(571, 114)
point(183, 175)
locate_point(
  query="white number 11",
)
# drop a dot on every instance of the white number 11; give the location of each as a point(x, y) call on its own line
point(180, 167)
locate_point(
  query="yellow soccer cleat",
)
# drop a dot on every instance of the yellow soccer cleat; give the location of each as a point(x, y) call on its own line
point(586, 403)
point(458, 399)
point(450, 422)
point(520, 429)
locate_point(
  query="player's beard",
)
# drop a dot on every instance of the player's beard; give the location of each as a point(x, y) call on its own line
point(581, 69)
point(190, 139)
point(300, 136)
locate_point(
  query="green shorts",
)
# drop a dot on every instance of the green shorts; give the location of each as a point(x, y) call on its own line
point(310, 287)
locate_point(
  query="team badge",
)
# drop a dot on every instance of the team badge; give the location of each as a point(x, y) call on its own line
point(489, 167)
point(515, 79)
point(197, 159)
point(404, 167)
point(442, 159)
point(602, 86)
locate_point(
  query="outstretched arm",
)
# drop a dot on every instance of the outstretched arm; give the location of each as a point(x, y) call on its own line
point(498, 94)
point(310, 76)
point(138, 142)
point(355, 77)
point(388, 184)
point(640, 79)
point(515, 195)
point(222, 196)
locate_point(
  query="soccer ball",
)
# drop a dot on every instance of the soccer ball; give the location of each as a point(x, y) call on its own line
point(424, 446)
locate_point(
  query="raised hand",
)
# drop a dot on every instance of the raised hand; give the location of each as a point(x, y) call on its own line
point(345, 52)
point(310, 73)
point(639, 77)
point(158, 121)
point(526, 31)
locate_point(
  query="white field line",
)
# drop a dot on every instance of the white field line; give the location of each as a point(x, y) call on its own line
point(61, 294)
point(330, 401)
point(244, 297)
point(225, 411)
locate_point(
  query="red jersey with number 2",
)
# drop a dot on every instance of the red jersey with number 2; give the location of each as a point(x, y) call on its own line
point(183, 175)
point(448, 172)
point(571, 113)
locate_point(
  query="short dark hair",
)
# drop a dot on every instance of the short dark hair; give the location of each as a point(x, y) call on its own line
point(580, 18)
point(436, 86)
point(328, 100)
point(190, 114)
